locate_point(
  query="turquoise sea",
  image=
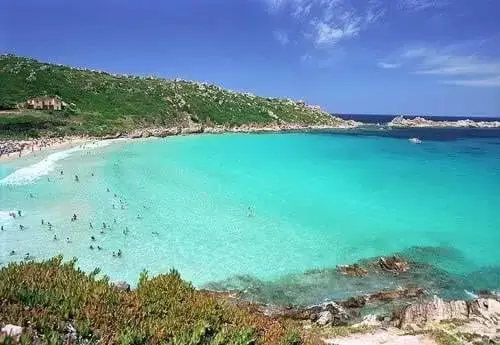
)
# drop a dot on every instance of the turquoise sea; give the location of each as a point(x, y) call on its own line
point(270, 214)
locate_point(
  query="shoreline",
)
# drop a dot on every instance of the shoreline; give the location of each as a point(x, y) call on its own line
point(11, 149)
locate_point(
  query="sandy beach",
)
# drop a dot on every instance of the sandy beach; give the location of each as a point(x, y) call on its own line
point(14, 149)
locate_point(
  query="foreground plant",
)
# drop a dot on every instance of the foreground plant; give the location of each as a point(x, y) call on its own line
point(57, 302)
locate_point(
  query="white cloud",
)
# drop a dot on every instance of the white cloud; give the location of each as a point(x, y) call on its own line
point(327, 22)
point(387, 65)
point(421, 5)
point(450, 62)
point(489, 82)
point(281, 37)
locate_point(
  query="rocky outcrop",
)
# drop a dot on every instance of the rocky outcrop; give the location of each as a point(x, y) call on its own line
point(486, 311)
point(401, 121)
point(393, 264)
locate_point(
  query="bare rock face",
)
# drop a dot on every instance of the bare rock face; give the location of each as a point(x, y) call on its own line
point(393, 264)
point(354, 270)
point(485, 311)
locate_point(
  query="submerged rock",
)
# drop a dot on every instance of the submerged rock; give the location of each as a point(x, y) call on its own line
point(393, 264)
point(354, 270)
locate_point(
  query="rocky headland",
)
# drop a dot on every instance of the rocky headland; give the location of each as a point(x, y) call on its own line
point(402, 122)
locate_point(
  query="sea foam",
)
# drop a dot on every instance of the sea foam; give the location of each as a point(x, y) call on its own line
point(33, 172)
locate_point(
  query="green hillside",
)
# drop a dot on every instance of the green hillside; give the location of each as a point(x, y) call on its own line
point(103, 103)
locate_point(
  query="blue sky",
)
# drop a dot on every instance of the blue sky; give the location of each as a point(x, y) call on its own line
point(437, 57)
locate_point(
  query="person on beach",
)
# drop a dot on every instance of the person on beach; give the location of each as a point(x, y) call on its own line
point(50, 226)
point(114, 254)
point(119, 254)
point(55, 238)
point(77, 179)
point(19, 213)
point(43, 222)
point(1, 228)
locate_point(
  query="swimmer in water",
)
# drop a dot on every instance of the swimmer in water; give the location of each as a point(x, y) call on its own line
point(155, 233)
point(19, 213)
point(91, 247)
point(77, 179)
point(1, 229)
point(68, 240)
point(92, 174)
point(31, 195)
point(92, 238)
point(12, 252)
point(55, 238)
point(62, 172)
point(114, 221)
point(91, 225)
point(43, 222)
point(104, 225)
point(21, 227)
point(99, 248)
point(107, 190)
point(119, 254)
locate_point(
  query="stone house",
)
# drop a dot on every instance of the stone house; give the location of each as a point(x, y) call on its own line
point(47, 103)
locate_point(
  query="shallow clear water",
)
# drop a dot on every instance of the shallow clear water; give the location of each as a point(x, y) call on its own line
point(257, 211)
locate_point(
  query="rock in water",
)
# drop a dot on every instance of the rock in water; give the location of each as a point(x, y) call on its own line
point(393, 264)
point(12, 330)
point(415, 140)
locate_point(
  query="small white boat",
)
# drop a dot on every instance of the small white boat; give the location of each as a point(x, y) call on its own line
point(415, 140)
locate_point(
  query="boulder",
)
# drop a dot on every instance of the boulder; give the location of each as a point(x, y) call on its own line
point(324, 318)
point(12, 330)
point(121, 285)
point(393, 264)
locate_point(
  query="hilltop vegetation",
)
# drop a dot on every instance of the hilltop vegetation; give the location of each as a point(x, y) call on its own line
point(58, 303)
point(102, 103)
